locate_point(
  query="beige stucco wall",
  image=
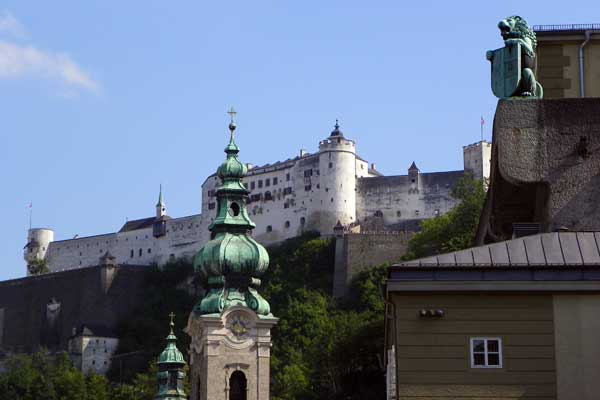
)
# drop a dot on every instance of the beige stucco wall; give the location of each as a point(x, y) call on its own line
point(558, 65)
point(577, 343)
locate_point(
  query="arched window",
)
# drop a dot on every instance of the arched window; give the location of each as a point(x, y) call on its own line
point(287, 224)
point(302, 221)
point(269, 228)
point(237, 386)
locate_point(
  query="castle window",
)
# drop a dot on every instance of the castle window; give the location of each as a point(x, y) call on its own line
point(412, 180)
point(259, 183)
point(307, 188)
point(131, 254)
point(330, 165)
point(318, 186)
point(332, 199)
point(286, 205)
point(269, 228)
point(287, 177)
point(416, 212)
point(211, 206)
point(486, 352)
point(287, 190)
point(140, 253)
point(287, 224)
point(308, 172)
point(149, 251)
point(268, 182)
point(268, 196)
point(252, 185)
point(318, 172)
point(302, 221)
point(398, 213)
point(274, 181)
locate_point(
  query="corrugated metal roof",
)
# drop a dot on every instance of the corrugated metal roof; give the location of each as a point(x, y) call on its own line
point(545, 249)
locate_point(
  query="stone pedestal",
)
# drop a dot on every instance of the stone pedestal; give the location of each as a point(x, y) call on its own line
point(227, 350)
point(545, 169)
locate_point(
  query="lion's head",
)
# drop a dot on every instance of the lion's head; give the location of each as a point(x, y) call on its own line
point(516, 27)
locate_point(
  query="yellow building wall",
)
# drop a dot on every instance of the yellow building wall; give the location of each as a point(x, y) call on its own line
point(558, 66)
point(577, 342)
point(433, 354)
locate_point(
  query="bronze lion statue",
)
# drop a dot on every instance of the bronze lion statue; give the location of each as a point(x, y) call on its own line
point(516, 30)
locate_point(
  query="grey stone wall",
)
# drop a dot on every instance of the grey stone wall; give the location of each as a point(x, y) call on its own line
point(43, 310)
point(545, 167)
point(357, 252)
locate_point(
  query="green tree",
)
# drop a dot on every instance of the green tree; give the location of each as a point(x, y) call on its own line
point(454, 230)
point(38, 266)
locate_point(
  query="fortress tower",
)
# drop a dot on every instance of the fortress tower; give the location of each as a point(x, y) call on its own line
point(38, 242)
point(477, 158)
point(336, 199)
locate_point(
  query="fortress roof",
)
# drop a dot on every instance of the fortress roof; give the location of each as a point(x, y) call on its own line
point(427, 179)
point(140, 223)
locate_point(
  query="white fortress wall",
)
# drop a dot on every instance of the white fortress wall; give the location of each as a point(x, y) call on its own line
point(137, 246)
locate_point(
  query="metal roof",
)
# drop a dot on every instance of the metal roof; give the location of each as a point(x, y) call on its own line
point(545, 249)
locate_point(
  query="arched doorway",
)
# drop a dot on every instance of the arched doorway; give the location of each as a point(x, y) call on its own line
point(237, 386)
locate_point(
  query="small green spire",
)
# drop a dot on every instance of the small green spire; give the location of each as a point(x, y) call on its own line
point(160, 202)
point(170, 369)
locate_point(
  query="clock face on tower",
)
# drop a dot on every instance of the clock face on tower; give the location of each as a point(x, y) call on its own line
point(238, 325)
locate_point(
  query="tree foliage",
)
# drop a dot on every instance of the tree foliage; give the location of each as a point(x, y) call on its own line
point(38, 266)
point(311, 356)
point(454, 230)
point(41, 376)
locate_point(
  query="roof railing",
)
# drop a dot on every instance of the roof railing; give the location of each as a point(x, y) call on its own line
point(566, 27)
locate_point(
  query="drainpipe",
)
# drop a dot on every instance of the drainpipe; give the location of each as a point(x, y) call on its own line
point(588, 35)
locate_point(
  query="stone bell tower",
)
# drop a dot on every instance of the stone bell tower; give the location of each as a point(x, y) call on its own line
point(230, 327)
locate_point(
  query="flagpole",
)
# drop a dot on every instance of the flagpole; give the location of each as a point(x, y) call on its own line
point(482, 122)
point(30, 215)
point(481, 129)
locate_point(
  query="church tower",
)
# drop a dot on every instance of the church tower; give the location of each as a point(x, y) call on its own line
point(170, 370)
point(230, 327)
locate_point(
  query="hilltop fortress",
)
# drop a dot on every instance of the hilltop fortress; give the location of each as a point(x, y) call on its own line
point(318, 191)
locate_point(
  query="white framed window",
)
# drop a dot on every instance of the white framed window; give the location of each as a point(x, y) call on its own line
point(486, 352)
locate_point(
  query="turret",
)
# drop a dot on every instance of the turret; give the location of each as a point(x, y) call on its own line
point(336, 197)
point(38, 241)
point(477, 158)
point(413, 178)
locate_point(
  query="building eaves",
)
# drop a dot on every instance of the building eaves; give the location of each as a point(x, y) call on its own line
point(554, 249)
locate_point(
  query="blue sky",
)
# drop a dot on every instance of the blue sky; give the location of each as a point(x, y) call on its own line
point(103, 101)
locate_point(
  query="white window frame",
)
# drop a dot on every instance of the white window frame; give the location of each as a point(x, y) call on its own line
point(485, 353)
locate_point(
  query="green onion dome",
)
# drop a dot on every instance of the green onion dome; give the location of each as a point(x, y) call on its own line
point(232, 253)
point(171, 353)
